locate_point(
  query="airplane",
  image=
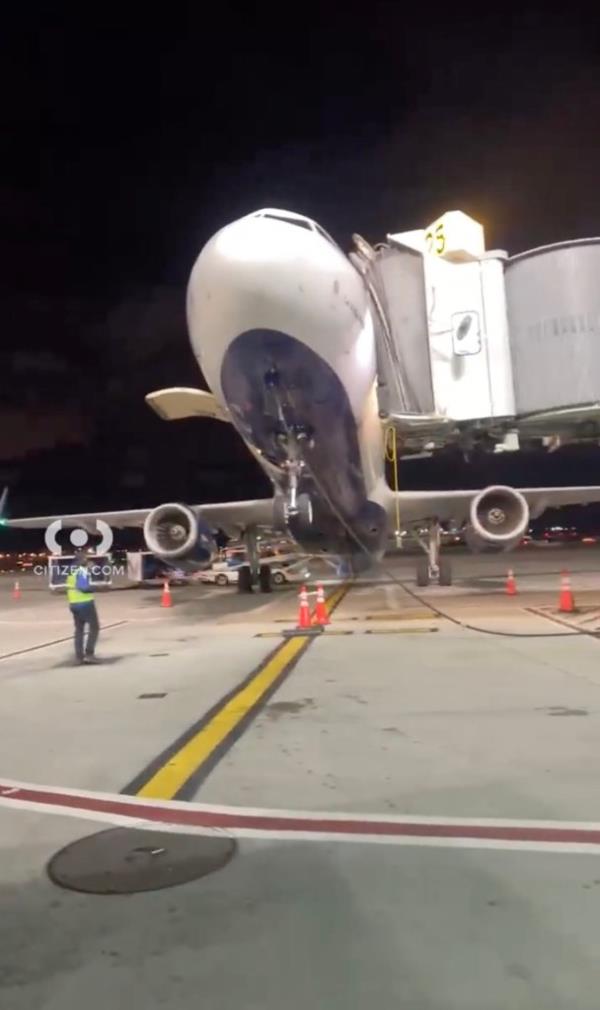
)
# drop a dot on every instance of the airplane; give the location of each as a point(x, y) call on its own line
point(281, 322)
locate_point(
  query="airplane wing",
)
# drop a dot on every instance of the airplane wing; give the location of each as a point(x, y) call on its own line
point(446, 505)
point(83, 520)
point(571, 422)
point(235, 516)
point(551, 428)
point(232, 517)
point(541, 498)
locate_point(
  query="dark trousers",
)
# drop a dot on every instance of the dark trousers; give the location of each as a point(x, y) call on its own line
point(84, 614)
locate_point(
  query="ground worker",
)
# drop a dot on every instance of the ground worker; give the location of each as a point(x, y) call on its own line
point(80, 597)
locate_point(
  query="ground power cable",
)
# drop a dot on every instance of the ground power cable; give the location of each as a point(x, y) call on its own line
point(425, 603)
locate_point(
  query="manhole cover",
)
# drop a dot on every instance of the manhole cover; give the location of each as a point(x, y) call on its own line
point(126, 860)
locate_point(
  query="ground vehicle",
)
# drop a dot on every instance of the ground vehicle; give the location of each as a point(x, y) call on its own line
point(144, 567)
point(282, 571)
point(560, 534)
point(221, 575)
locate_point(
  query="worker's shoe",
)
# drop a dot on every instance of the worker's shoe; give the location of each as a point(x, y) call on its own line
point(91, 660)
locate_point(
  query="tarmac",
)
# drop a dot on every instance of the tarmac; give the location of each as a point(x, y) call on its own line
point(412, 793)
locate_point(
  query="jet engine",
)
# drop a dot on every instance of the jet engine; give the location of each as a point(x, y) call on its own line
point(179, 537)
point(498, 519)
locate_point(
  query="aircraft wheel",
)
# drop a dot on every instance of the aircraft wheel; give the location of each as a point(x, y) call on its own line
point(245, 579)
point(445, 572)
point(423, 573)
point(305, 510)
point(301, 524)
point(264, 579)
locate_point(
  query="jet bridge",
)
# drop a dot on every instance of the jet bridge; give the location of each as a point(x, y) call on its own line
point(553, 306)
point(476, 345)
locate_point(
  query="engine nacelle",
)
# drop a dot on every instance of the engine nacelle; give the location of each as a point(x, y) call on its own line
point(179, 537)
point(499, 516)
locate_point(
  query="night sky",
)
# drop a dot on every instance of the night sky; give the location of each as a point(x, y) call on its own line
point(130, 139)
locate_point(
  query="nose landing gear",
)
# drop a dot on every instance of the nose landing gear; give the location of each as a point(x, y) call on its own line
point(294, 510)
point(297, 520)
point(292, 437)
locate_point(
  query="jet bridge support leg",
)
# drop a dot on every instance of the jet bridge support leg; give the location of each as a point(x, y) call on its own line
point(433, 568)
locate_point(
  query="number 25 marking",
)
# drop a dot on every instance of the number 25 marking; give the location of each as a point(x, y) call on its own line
point(436, 240)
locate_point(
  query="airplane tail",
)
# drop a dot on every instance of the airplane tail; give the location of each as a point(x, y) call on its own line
point(3, 500)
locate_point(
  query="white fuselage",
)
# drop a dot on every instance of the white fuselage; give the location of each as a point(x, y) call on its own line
point(277, 273)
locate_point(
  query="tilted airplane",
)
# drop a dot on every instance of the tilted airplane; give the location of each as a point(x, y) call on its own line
point(282, 325)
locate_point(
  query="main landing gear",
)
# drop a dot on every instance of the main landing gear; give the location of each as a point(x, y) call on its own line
point(254, 574)
point(433, 568)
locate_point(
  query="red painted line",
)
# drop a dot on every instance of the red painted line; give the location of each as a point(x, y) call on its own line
point(273, 822)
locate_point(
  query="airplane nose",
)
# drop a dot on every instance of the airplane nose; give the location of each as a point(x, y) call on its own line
point(275, 273)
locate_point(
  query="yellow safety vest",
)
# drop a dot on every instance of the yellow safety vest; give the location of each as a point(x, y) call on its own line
point(75, 595)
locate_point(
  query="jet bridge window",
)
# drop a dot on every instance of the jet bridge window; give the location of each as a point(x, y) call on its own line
point(466, 333)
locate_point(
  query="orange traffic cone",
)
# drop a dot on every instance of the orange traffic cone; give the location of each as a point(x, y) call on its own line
point(165, 600)
point(16, 593)
point(303, 609)
point(320, 615)
point(566, 602)
point(511, 585)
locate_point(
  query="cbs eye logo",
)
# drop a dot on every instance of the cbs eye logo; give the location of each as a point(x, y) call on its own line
point(79, 537)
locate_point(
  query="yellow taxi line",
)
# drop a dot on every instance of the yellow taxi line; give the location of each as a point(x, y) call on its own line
point(225, 725)
point(169, 779)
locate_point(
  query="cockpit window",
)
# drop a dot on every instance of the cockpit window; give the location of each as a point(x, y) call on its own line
point(299, 221)
point(325, 234)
